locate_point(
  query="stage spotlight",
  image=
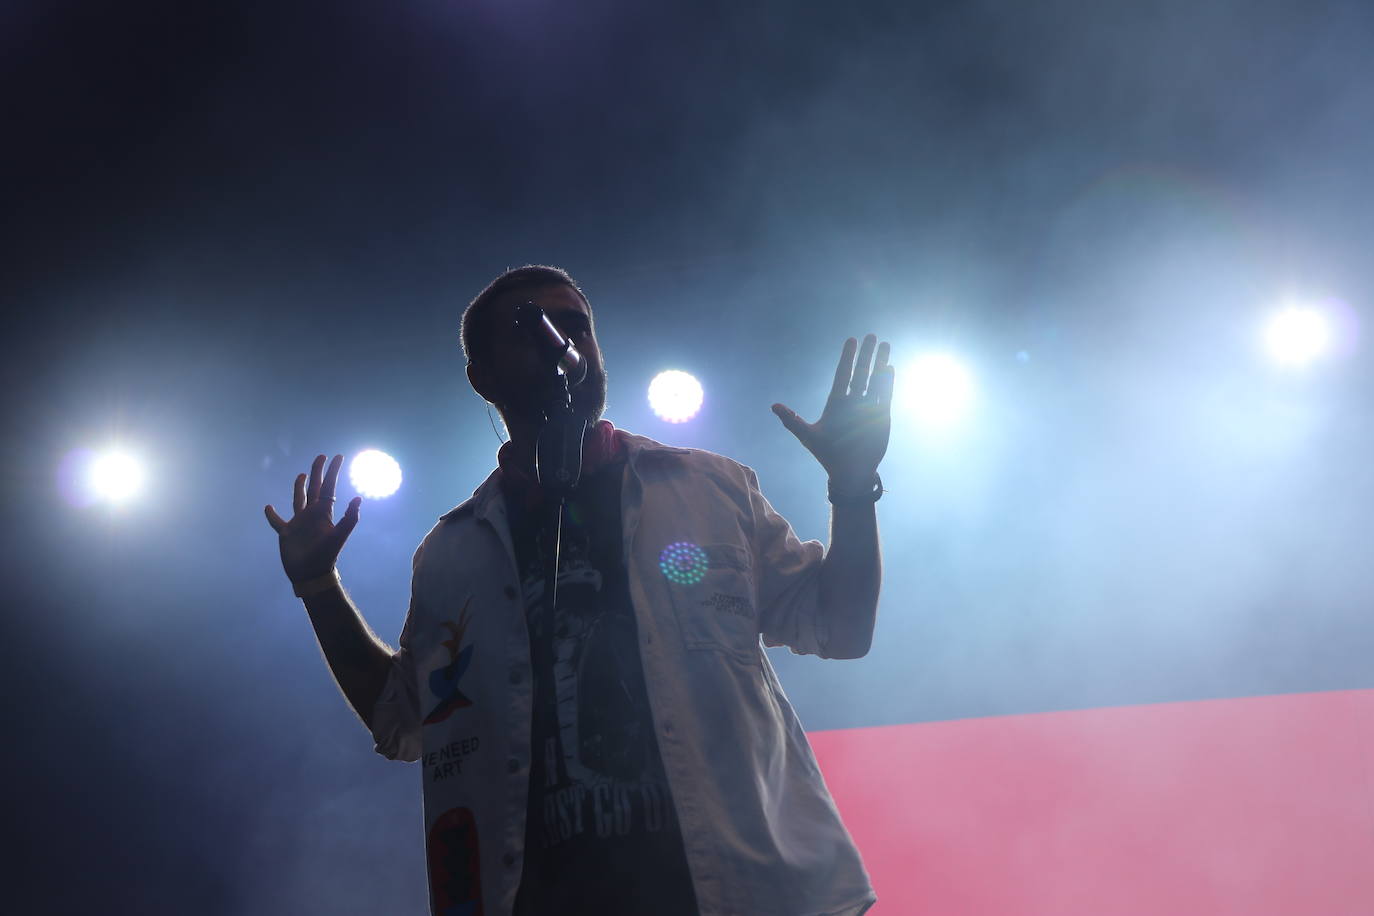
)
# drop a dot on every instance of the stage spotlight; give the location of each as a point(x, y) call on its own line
point(1297, 335)
point(115, 477)
point(935, 389)
point(374, 474)
point(675, 396)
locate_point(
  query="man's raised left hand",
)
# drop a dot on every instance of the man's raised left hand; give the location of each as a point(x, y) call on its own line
point(851, 436)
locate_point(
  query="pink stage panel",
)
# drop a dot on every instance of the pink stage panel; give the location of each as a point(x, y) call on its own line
point(1256, 807)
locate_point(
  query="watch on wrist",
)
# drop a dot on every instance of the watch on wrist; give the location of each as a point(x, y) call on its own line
point(316, 585)
point(848, 493)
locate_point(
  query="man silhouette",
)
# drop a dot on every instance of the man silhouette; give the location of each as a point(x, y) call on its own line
point(630, 749)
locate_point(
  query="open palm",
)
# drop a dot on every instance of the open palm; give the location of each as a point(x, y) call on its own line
point(851, 436)
point(310, 541)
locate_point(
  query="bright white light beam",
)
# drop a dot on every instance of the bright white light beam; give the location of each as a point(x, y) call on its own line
point(1297, 335)
point(935, 389)
point(115, 477)
point(675, 396)
point(374, 474)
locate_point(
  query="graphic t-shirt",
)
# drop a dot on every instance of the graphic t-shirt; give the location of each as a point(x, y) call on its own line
point(601, 833)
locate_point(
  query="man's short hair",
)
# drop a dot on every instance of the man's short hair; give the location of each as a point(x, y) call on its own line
point(477, 326)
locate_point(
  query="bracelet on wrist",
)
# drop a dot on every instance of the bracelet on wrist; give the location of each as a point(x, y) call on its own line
point(869, 492)
point(316, 585)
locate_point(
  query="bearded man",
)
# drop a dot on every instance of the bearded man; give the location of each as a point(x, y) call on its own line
point(627, 750)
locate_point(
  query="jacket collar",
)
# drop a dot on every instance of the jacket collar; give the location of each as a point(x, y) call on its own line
point(488, 499)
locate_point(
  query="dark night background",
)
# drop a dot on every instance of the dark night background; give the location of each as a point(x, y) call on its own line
point(237, 235)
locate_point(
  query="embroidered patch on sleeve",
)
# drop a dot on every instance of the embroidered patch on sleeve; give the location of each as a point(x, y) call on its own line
point(443, 682)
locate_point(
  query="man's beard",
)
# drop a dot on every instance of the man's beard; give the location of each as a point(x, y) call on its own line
point(588, 400)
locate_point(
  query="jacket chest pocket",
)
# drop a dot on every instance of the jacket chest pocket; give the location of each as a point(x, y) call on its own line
point(711, 589)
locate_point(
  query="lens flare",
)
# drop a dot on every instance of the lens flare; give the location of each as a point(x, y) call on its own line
point(1297, 335)
point(115, 477)
point(675, 396)
point(936, 389)
point(374, 474)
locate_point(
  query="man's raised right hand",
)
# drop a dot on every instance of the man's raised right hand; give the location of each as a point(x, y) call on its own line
point(310, 542)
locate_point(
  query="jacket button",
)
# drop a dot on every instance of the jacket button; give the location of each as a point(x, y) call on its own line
point(510, 592)
point(668, 727)
point(508, 859)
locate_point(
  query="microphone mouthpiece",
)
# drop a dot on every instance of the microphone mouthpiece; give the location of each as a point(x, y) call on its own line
point(553, 347)
point(572, 365)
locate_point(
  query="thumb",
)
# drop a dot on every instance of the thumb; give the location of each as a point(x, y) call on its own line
point(795, 424)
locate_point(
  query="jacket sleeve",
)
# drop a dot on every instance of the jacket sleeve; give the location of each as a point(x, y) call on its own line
point(396, 714)
point(786, 577)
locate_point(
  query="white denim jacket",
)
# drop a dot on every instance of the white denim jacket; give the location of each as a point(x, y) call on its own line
point(761, 833)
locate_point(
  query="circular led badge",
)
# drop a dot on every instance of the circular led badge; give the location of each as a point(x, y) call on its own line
point(683, 563)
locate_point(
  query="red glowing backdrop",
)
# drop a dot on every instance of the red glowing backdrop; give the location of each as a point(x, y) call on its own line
point(1261, 806)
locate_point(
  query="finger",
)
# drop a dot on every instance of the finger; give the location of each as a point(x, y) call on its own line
point(298, 495)
point(880, 368)
point(312, 492)
point(884, 354)
point(345, 525)
point(843, 370)
point(859, 383)
point(881, 386)
point(274, 519)
point(795, 424)
point(331, 478)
